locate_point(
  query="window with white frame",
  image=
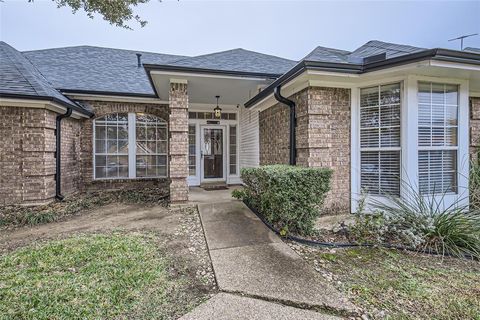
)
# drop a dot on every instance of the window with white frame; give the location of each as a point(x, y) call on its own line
point(233, 149)
point(114, 155)
point(151, 146)
point(380, 139)
point(192, 150)
point(111, 146)
point(437, 137)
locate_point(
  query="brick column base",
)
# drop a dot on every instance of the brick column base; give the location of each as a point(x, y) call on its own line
point(178, 142)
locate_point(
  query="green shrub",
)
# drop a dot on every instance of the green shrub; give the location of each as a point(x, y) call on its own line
point(475, 184)
point(33, 218)
point(289, 197)
point(421, 222)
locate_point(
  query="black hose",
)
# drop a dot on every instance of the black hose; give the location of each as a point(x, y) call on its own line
point(314, 243)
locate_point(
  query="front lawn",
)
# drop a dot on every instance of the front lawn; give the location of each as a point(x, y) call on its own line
point(395, 285)
point(100, 276)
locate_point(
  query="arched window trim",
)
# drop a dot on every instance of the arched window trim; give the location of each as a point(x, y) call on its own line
point(154, 162)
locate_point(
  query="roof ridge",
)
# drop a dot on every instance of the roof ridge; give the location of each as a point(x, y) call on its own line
point(9, 53)
point(329, 48)
point(44, 78)
point(387, 43)
point(230, 50)
point(101, 47)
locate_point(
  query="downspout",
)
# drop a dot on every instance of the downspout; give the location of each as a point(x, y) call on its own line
point(58, 154)
point(293, 147)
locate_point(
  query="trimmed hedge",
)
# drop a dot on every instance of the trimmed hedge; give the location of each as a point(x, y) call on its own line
point(289, 197)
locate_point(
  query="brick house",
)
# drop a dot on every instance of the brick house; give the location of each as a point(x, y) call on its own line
point(86, 118)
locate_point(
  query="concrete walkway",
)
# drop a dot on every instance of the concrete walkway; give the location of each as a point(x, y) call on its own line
point(251, 261)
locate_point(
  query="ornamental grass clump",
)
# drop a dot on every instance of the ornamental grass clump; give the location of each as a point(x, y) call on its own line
point(423, 222)
point(289, 197)
point(475, 184)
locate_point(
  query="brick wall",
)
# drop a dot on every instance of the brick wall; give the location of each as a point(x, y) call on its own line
point(474, 128)
point(27, 155)
point(178, 142)
point(101, 108)
point(323, 137)
point(274, 135)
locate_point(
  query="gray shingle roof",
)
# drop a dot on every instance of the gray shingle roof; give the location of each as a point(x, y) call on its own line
point(472, 49)
point(18, 77)
point(325, 54)
point(238, 60)
point(87, 68)
point(371, 48)
point(392, 50)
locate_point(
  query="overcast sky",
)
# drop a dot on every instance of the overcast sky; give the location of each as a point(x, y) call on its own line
point(289, 29)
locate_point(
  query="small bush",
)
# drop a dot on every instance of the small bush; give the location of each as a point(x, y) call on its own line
point(33, 218)
point(421, 222)
point(289, 197)
point(475, 184)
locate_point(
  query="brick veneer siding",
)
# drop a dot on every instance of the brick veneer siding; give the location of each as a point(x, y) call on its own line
point(178, 105)
point(27, 155)
point(274, 135)
point(102, 108)
point(474, 128)
point(323, 137)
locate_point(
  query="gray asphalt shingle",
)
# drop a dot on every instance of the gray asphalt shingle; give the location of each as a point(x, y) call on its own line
point(97, 69)
point(19, 77)
point(238, 60)
point(371, 48)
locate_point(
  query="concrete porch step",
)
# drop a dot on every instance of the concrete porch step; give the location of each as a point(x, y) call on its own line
point(211, 186)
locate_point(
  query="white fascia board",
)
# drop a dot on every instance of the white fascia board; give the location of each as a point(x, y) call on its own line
point(332, 74)
point(455, 65)
point(475, 94)
point(40, 104)
point(112, 98)
point(178, 81)
point(291, 87)
point(203, 75)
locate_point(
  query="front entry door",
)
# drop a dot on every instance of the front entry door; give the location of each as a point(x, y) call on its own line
point(213, 153)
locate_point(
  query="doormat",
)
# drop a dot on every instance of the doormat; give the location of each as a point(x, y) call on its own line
point(213, 188)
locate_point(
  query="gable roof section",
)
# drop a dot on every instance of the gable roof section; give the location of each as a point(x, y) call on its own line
point(20, 79)
point(391, 50)
point(332, 60)
point(328, 55)
point(97, 69)
point(371, 48)
point(238, 60)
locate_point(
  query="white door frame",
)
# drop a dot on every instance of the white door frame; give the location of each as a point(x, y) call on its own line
point(224, 154)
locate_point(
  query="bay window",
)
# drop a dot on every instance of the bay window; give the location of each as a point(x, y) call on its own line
point(130, 145)
point(437, 137)
point(380, 139)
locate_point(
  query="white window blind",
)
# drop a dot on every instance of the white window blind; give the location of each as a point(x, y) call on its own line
point(437, 137)
point(380, 139)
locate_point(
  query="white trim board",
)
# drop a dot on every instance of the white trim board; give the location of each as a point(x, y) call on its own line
point(409, 137)
point(40, 104)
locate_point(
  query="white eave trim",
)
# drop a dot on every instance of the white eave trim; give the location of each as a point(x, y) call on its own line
point(113, 98)
point(455, 65)
point(205, 75)
point(39, 104)
point(475, 94)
